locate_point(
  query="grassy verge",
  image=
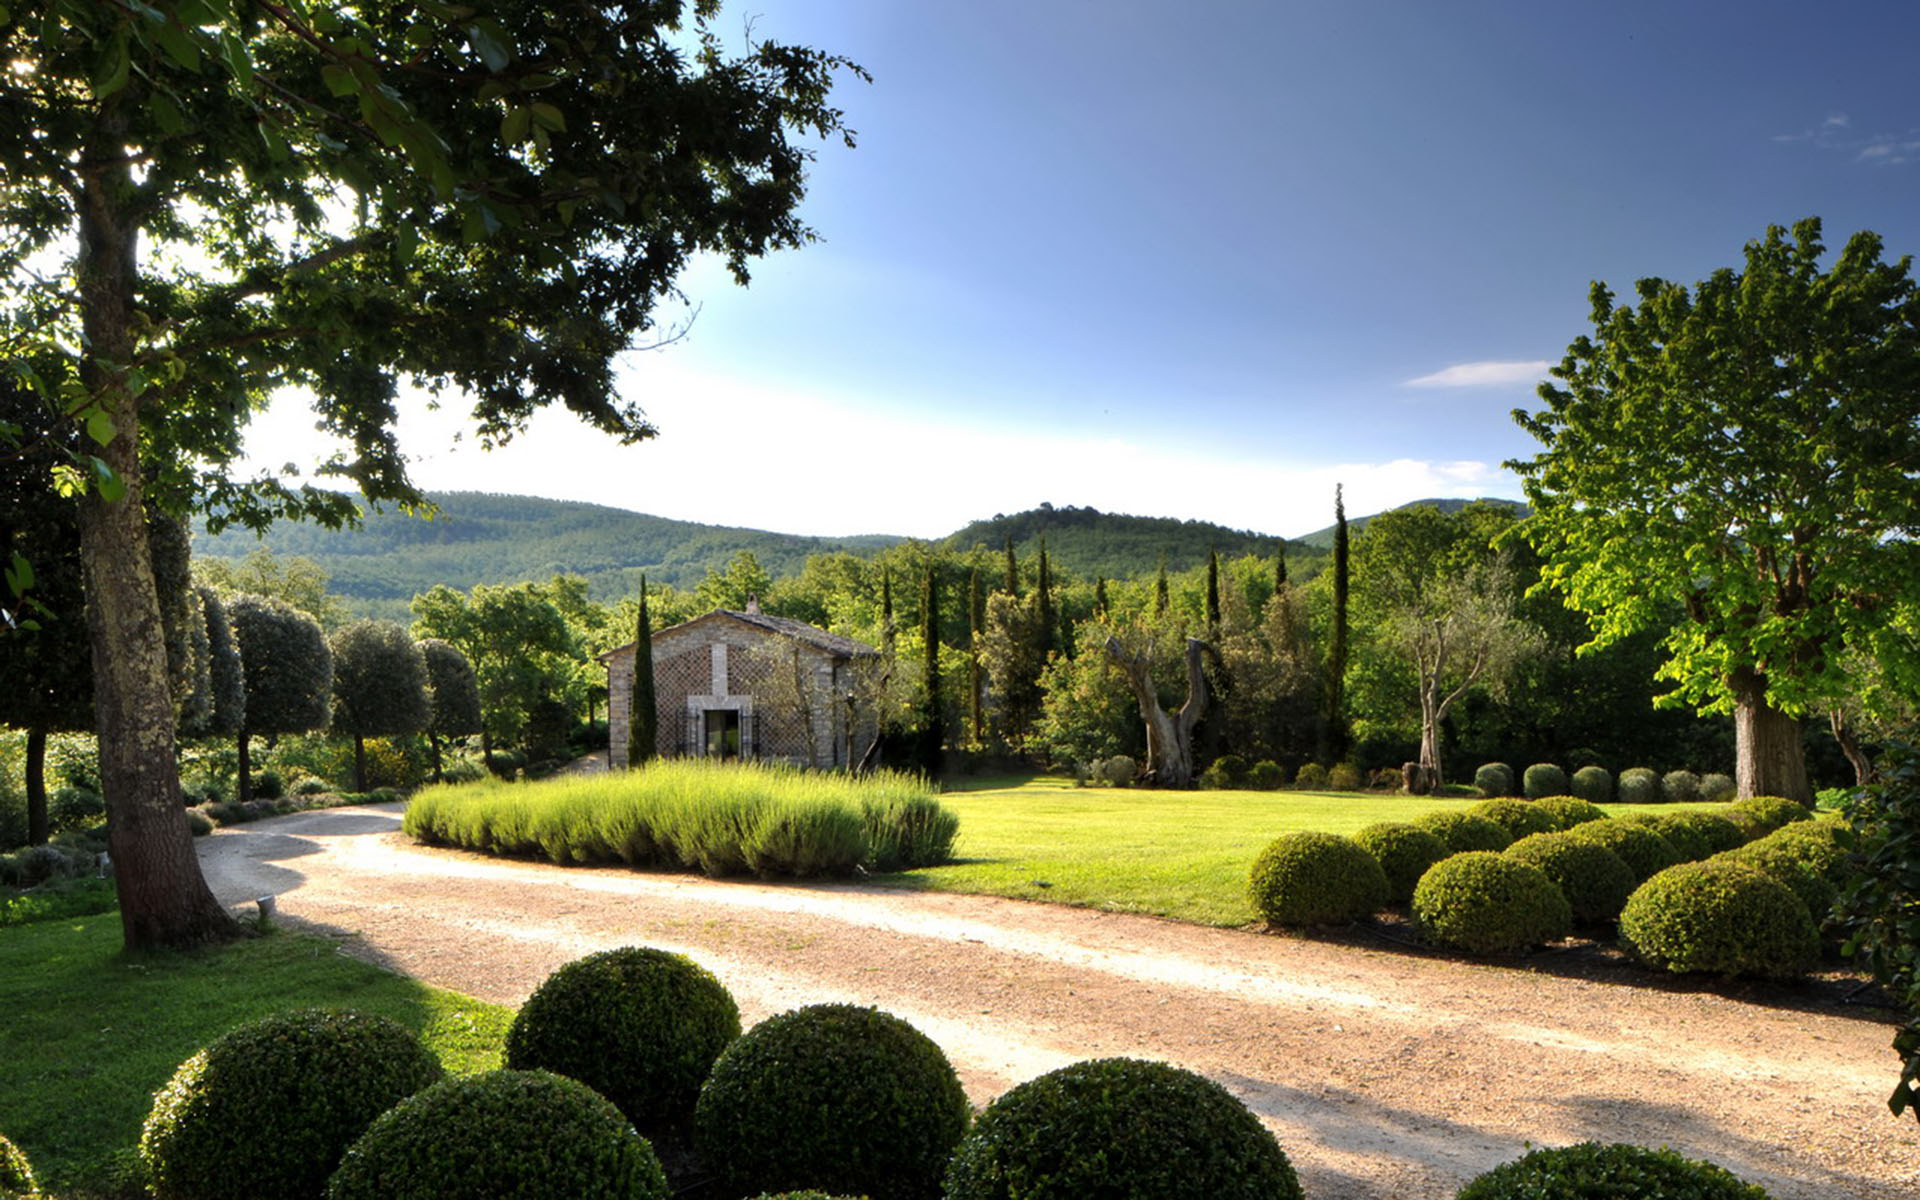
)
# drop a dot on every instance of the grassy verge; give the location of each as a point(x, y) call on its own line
point(1172, 854)
point(91, 1032)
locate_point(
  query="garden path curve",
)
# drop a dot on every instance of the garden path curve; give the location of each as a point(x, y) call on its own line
point(1385, 1075)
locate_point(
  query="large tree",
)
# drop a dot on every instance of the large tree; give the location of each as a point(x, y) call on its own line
point(519, 644)
point(453, 696)
point(379, 687)
point(288, 668)
point(208, 200)
point(1748, 448)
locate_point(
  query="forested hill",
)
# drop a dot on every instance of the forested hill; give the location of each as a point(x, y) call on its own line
point(1086, 542)
point(480, 537)
point(1322, 539)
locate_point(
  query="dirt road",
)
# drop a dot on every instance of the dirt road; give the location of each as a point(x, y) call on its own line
point(1384, 1074)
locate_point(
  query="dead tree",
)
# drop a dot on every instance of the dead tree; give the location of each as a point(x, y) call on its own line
point(1169, 735)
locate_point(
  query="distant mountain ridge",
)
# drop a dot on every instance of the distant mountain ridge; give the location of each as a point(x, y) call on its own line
point(1322, 539)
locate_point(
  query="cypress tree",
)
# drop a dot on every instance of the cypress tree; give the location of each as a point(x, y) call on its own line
point(1333, 733)
point(886, 609)
point(1280, 568)
point(931, 720)
point(1100, 597)
point(1012, 587)
point(976, 620)
point(1160, 591)
point(1043, 606)
point(1213, 595)
point(643, 717)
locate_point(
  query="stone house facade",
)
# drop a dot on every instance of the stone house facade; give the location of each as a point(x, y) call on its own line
point(746, 685)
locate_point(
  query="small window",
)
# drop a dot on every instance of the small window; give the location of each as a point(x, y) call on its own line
point(723, 733)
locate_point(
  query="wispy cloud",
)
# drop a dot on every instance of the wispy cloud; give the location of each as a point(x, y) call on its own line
point(1483, 374)
point(1836, 133)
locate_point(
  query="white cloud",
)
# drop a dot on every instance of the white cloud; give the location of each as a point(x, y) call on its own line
point(1836, 121)
point(1484, 374)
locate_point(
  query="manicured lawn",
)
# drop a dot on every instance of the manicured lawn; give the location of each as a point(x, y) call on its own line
point(1174, 854)
point(90, 1033)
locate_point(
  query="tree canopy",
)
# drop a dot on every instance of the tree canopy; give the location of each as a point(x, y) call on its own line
point(1748, 448)
point(379, 687)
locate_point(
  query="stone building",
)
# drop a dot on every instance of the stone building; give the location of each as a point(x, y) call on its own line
point(746, 685)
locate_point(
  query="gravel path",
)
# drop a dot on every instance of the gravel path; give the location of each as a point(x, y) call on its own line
point(1384, 1074)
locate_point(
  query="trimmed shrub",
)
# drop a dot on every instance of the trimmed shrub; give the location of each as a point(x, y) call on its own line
point(1518, 817)
point(1404, 852)
point(1316, 879)
point(1786, 861)
point(1721, 916)
point(1717, 788)
point(1345, 777)
point(1715, 831)
point(1312, 777)
point(1462, 831)
point(1687, 841)
point(1679, 787)
point(1591, 1171)
point(1231, 768)
point(1266, 776)
point(1595, 880)
point(16, 1174)
point(1544, 779)
point(505, 1133)
point(1644, 850)
point(835, 1097)
point(1568, 811)
point(1818, 843)
point(1767, 813)
point(314, 786)
point(904, 832)
point(270, 1108)
point(1486, 904)
point(1494, 780)
point(1120, 1127)
point(1638, 785)
point(197, 823)
point(1592, 784)
point(1213, 779)
point(640, 1026)
point(1117, 771)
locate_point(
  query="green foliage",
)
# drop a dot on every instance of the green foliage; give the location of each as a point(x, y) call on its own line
point(1118, 771)
point(1595, 880)
point(55, 901)
point(1345, 777)
point(1544, 779)
point(379, 680)
point(1462, 831)
point(303, 1086)
point(1484, 903)
point(1716, 832)
point(1821, 842)
point(1232, 770)
point(16, 1173)
point(287, 664)
point(692, 814)
point(1688, 842)
point(1518, 817)
point(1316, 879)
point(1592, 784)
point(1639, 785)
point(1716, 788)
point(1591, 1171)
point(505, 1133)
point(1086, 542)
point(1644, 850)
point(643, 703)
point(1879, 907)
point(642, 1027)
point(1120, 1129)
point(1792, 862)
point(453, 692)
point(1764, 814)
point(516, 640)
point(904, 831)
point(1404, 852)
point(1680, 787)
point(1494, 780)
point(835, 1097)
point(1266, 776)
point(1720, 916)
point(1568, 811)
point(1312, 777)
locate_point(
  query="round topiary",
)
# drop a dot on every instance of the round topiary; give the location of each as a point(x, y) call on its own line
point(1688, 842)
point(1312, 777)
point(1767, 813)
point(1266, 776)
point(1316, 879)
point(834, 1097)
point(1591, 1171)
point(1232, 768)
point(1786, 862)
point(505, 1133)
point(1721, 916)
point(1638, 785)
point(1595, 880)
point(16, 1174)
point(1494, 780)
point(1486, 904)
point(1568, 811)
point(1592, 784)
point(1462, 831)
point(1543, 779)
point(1819, 844)
point(1679, 787)
point(1404, 852)
point(1644, 850)
point(1518, 817)
point(640, 1026)
point(1716, 832)
point(1717, 788)
point(269, 1108)
point(1120, 1128)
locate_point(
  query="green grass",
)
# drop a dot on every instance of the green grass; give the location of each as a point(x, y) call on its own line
point(1183, 855)
point(91, 1032)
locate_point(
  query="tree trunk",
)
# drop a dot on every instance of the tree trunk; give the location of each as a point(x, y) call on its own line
point(164, 899)
point(359, 763)
point(433, 749)
point(1169, 735)
point(1430, 733)
point(1769, 759)
point(1850, 746)
point(39, 828)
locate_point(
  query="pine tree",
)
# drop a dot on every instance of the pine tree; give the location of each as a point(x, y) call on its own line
point(1333, 732)
point(643, 718)
point(931, 716)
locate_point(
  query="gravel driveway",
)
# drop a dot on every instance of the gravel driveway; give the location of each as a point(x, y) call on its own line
point(1384, 1074)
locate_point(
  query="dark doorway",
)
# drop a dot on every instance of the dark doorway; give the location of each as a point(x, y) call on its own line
point(723, 733)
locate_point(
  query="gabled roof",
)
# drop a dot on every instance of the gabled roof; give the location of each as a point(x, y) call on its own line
point(830, 643)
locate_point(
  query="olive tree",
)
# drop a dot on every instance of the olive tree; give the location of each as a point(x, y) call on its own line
point(379, 687)
point(1748, 448)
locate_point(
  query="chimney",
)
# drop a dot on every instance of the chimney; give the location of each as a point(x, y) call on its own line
point(753, 605)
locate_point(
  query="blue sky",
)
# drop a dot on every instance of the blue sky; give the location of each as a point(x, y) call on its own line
point(1206, 260)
